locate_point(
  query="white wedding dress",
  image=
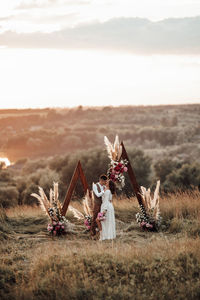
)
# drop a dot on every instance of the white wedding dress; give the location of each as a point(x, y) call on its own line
point(108, 225)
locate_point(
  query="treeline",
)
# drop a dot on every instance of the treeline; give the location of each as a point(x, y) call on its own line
point(42, 133)
point(19, 181)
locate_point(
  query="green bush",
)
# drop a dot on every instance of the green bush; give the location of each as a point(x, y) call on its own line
point(8, 196)
point(185, 177)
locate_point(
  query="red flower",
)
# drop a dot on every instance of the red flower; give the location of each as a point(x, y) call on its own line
point(117, 168)
point(112, 176)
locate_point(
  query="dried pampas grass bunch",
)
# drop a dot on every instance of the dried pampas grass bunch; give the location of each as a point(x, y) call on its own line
point(150, 218)
point(88, 204)
point(53, 209)
point(114, 150)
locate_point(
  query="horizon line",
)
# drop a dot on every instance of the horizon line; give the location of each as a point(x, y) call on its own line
point(99, 106)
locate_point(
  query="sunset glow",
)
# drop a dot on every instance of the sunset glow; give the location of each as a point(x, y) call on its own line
point(6, 161)
point(67, 53)
point(58, 78)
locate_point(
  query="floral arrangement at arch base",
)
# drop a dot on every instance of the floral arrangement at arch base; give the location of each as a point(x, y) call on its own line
point(58, 224)
point(149, 218)
point(117, 166)
point(88, 204)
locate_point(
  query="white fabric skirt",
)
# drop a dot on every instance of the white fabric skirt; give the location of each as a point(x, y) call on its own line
point(108, 225)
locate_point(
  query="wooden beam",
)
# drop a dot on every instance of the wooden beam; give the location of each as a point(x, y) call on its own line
point(70, 189)
point(83, 179)
point(132, 177)
point(78, 172)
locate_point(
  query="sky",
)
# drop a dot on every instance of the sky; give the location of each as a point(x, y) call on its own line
point(65, 53)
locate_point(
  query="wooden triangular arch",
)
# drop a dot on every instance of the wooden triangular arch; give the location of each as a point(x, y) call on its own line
point(78, 172)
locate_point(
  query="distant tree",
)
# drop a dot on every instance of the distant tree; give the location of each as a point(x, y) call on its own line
point(26, 194)
point(43, 178)
point(21, 161)
point(164, 122)
point(141, 164)
point(186, 177)
point(80, 108)
point(53, 115)
point(174, 121)
point(8, 196)
point(71, 142)
point(107, 108)
point(79, 111)
point(33, 165)
point(103, 130)
point(21, 187)
point(166, 137)
point(58, 162)
point(164, 167)
point(7, 177)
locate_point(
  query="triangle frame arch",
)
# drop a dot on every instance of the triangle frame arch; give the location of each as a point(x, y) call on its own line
point(78, 173)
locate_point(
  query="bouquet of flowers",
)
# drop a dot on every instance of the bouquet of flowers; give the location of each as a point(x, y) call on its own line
point(58, 223)
point(56, 228)
point(88, 222)
point(149, 218)
point(117, 166)
point(116, 172)
point(101, 216)
point(146, 223)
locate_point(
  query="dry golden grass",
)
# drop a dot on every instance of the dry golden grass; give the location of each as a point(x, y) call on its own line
point(160, 247)
point(137, 265)
point(24, 211)
point(87, 270)
point(181, 204)
point(175, 205)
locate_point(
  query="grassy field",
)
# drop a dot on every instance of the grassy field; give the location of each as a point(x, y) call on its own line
point(137, 265)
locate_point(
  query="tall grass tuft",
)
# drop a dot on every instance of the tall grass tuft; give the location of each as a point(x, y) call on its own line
point(5, 228)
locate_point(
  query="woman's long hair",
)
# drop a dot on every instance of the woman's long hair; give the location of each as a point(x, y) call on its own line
point(112, 186)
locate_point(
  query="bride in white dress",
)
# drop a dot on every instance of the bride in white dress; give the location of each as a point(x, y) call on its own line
point(108, 225)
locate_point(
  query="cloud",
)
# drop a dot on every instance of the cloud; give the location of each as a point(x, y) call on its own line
point(51, 18)
point(46, 3)
point(135, 35)
point(35, 4)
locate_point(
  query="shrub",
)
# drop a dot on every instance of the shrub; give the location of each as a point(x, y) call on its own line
point(184, 178)
point(164, 167)
point(8, 196)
